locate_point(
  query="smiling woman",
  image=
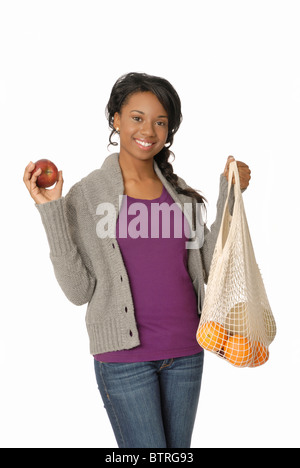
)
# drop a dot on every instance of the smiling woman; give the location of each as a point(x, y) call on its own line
point(144, 292)
point(145, 111)
point(141, 129)
point(157, 121)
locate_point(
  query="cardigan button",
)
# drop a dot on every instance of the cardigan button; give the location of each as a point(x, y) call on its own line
point(130, 333)
point(113, 246)
point(121, 277)
point(126, 310)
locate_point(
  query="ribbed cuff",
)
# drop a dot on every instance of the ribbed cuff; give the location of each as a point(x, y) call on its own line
point(56, 227)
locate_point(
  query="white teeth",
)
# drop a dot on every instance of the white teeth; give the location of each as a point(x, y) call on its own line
point(143, 143)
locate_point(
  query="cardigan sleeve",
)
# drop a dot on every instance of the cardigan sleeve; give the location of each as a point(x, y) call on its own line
point(72, 267)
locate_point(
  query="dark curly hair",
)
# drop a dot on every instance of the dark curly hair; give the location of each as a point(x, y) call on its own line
point(131, 83)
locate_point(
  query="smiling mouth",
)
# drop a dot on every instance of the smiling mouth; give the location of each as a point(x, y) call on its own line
point(144, 144)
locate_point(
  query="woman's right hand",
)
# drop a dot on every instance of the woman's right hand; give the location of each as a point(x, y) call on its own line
point(41, 195)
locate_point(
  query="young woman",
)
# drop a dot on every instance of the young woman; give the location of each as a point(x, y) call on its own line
point(143, 285)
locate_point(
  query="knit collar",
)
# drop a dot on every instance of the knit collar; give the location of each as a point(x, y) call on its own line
point(99, 189)
point(111, 164)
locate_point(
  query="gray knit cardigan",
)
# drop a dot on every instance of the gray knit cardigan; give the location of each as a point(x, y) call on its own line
point(91, 270)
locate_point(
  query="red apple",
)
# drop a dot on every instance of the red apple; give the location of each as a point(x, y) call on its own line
point(49, 174)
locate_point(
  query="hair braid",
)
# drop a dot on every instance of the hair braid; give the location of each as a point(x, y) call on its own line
point(168, 172)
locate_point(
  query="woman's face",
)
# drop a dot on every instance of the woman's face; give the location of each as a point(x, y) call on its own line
point(143, 125)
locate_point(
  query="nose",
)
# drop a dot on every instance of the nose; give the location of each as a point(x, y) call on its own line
point(147, 129)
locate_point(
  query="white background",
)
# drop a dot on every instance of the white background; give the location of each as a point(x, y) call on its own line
point(235, 65)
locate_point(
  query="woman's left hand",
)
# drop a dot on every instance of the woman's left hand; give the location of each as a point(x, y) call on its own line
point(244, 172)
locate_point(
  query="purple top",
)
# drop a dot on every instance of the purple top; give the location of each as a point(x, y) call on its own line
point(152, 244)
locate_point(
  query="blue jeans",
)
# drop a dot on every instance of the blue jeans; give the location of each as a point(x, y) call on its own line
point(152, 404)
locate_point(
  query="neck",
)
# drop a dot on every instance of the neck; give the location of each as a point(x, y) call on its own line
point(136, 169)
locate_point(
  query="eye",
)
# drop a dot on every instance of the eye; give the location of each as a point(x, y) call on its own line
point(137, 119)
point(161, 124)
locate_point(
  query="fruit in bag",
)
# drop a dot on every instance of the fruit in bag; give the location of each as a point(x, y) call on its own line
point(238, 351)
point(236, 322)
point(261, 354)
point(212, 336)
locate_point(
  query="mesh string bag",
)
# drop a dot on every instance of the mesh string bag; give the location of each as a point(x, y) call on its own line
point(236, 323)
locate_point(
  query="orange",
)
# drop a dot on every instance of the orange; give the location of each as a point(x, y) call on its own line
point(212, 336)
point(238, 351)
point(261, 354)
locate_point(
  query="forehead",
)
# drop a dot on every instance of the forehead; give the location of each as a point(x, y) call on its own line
point(146, 102)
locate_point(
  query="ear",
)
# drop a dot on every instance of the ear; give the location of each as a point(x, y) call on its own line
point(117, 119)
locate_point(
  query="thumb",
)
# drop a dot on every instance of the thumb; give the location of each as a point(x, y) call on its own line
point(60, 181)
point(60, 177)
point(230, 159)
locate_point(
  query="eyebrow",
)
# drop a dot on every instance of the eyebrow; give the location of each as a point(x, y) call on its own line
point(159, 116)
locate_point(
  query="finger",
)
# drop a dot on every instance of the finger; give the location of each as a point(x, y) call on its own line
point(244, 185)
point(244, 180)
point(242, 164)
point(244, 174)
point(27, 174)
point(33, 179)
point(60, 177)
